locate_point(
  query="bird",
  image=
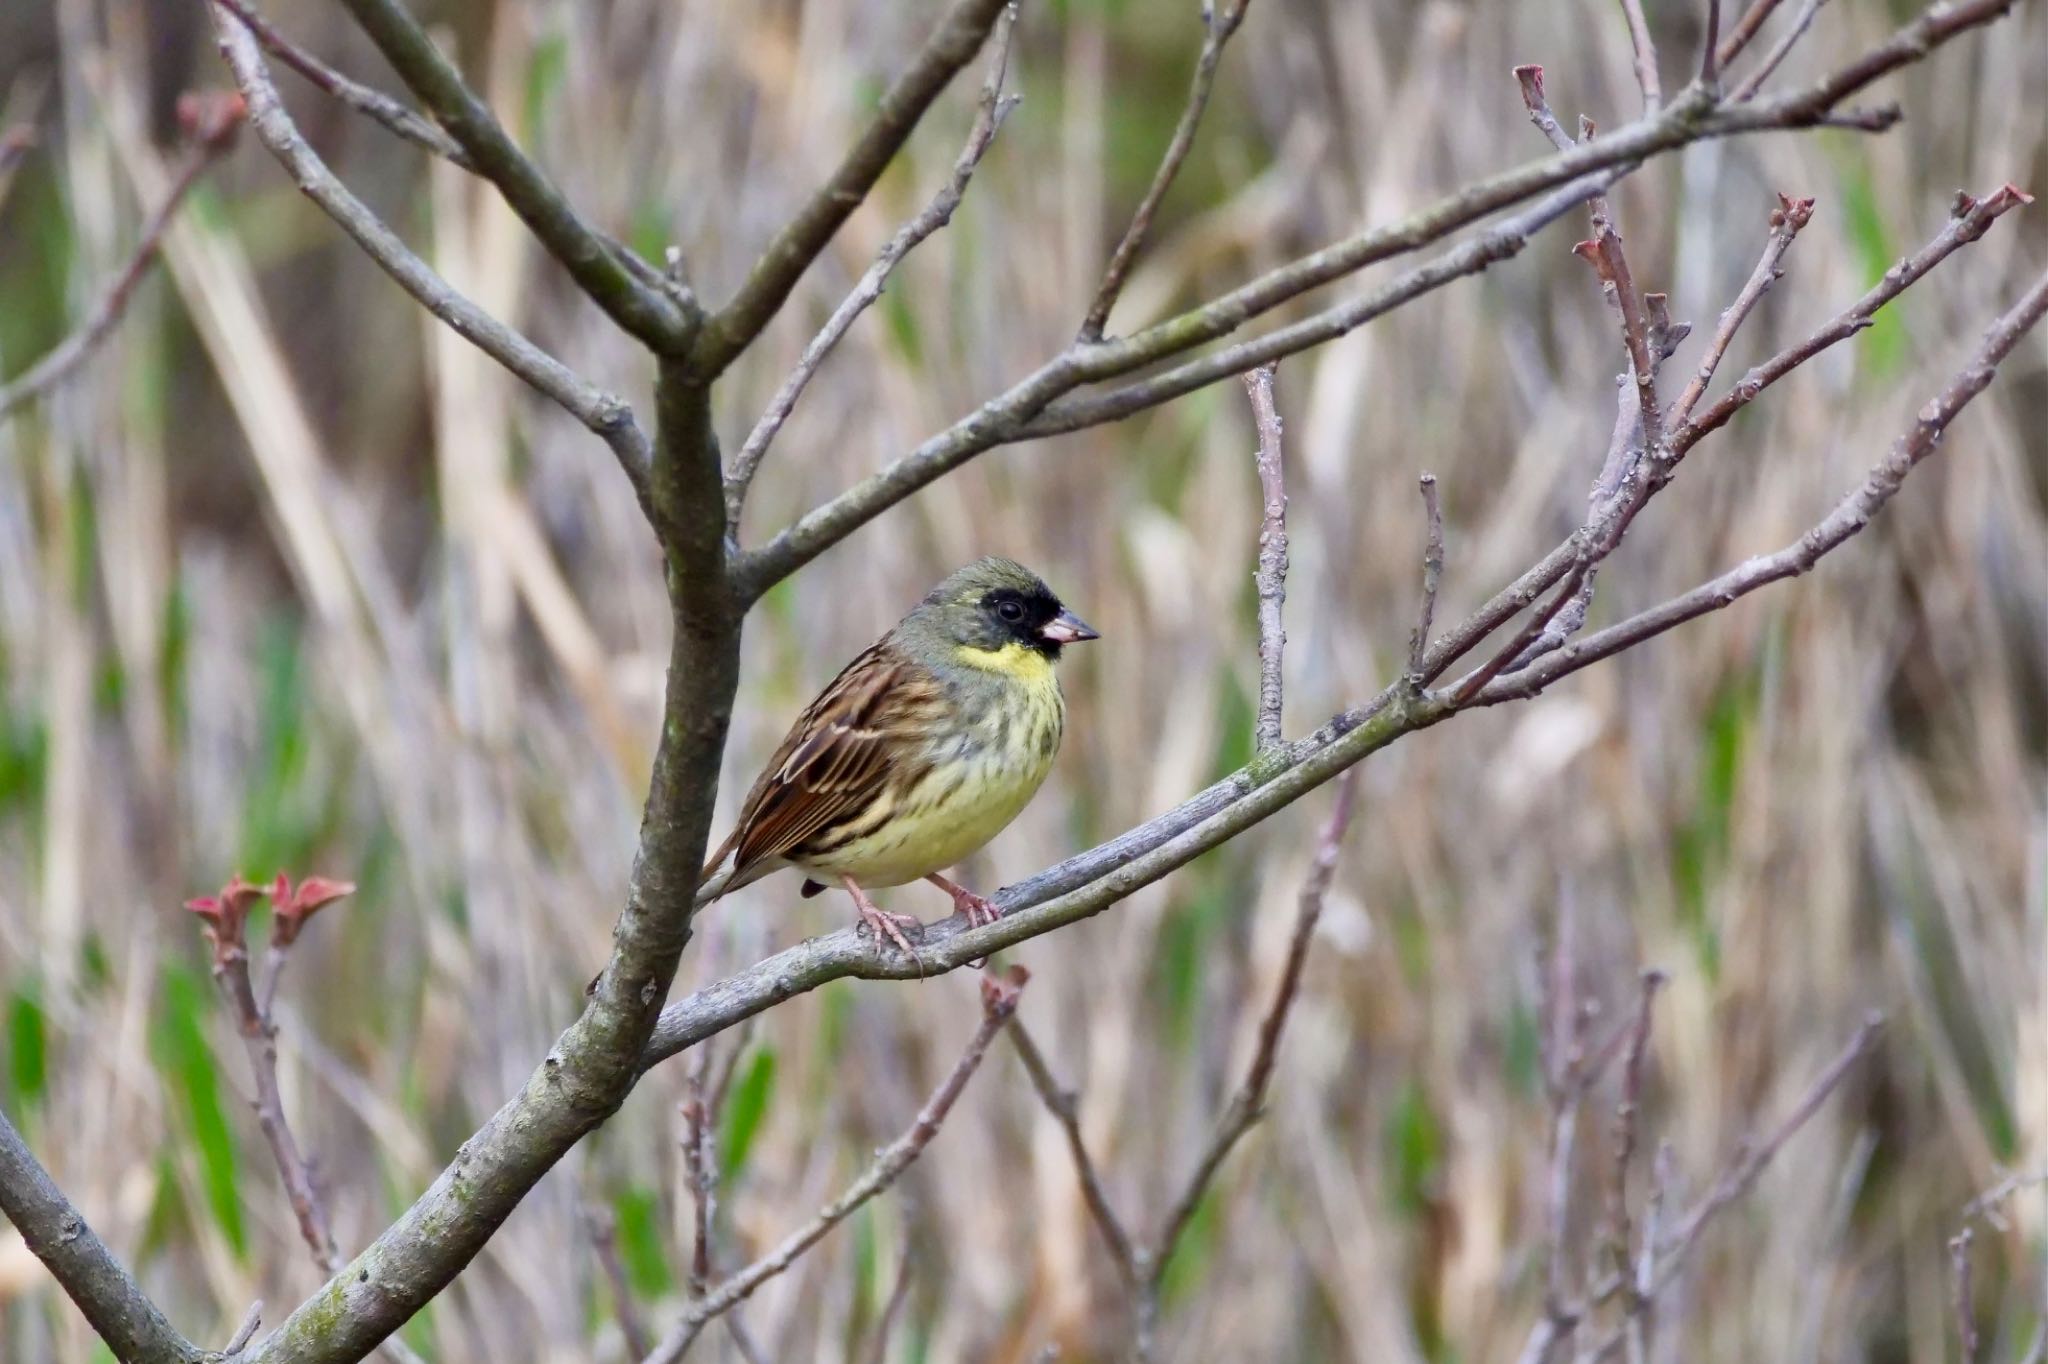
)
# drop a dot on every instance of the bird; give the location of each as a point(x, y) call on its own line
point(919, 752)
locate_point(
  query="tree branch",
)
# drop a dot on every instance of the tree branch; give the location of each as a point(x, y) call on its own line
point(112, 1301)
point(1969, 219)
point(952, 44)
point(1272, 572)
point(1780, 50)
point(1645, 55)
point(1432, 577)
point(990, 113)
point(1218, 30)
point(212, 123)
point(372, 103)
point(1785, 223)
point(665, 322)
point(1745, 29)
point(1010, 416)
point(998, 1003)
point(605, 415)
point(1848, 518)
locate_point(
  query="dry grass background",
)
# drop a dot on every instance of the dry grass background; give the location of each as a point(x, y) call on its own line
point(293, 578)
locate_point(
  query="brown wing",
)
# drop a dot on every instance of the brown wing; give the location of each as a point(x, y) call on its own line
point(840, 756)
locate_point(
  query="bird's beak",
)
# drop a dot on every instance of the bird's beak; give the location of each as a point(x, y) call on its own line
point(1066, 628)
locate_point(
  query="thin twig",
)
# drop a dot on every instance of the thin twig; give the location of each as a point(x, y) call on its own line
point(603, 1227)
point(999, 1002)
point(1710, 56)
point(1432, 577)
point(1609, 260)
point(1219, 27)
point(259, 1040)
point(605, 415)
point(213, 123)
point(1271, 578)
point(1969, 219)
point(372, 103)
point(1745, 29)
point(246, 1332)
point(1061, 1104)
point(953, 42)
point(1645, 55)
point(1849, 517)
point(1780, 50)
point(990, 113)
point(1785, 223)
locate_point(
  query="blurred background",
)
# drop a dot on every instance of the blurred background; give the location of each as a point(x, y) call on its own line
point(291, 578)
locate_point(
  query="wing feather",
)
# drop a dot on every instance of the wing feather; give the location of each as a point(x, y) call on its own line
point(863, 734)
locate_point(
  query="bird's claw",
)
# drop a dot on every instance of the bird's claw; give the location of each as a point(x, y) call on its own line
point(886, 925)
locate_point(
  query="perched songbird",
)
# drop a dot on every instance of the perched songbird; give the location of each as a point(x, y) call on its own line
point(920, 752)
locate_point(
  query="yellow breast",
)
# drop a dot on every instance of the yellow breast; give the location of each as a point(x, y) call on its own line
point(982, 776)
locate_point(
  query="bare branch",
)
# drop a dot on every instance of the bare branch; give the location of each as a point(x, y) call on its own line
point(990, 114)
point(1710, 56)
point(1745, 29)
point(373, 104)
point(1503, 241)
point(1785, 223)
point(246, 1332)
point(1271, 577)
point(952, 44)
point(665, 322)
point(1848, 518)
point(1780, 50)
point(1060, 1103)
point(1646, 55)
point(1013, 414)
point(212, 123)
point(1969, 219)
point(608, 417)
point(1220, 26)
point(999, 1002)
point(58, 1235)
point(1432, 577)
point(1605, 253)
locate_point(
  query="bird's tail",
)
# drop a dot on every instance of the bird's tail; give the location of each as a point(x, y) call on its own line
point(712, 882)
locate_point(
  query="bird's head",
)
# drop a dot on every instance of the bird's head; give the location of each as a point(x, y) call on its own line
point(997, 614)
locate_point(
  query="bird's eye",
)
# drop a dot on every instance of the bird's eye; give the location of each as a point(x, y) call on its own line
point(1010, 610)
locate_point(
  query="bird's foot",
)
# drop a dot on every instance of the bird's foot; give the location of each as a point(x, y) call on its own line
point(882, 923)
point(979, 909)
